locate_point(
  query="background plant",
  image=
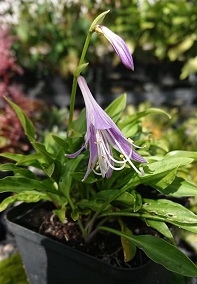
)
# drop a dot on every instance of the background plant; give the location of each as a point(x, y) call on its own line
point(11, 133)
point(156, 31)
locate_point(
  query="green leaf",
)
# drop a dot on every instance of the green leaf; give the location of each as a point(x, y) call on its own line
point(152, 110)
point(115, 109)
point(79, 69)
point(187, 227)
point(129, 125)
point(164, 181)
point(125, 199)
point(161, 227)
point(75, 215)
point(13, 157)
point(49, 170)
point(80, 175)
point(61, 142)
point(51, 166)
point(98, 20)
point(26, 196)
point(134, 118)
point(61, 213)
point(79, 125)
point(165, 165)
point(102, 201)
point(179, 188)
point(95, 205)
point(25, 160)
point(56, 197)
point(28, 160)
point(130, 129)
point(40, 148)
point(155, 171)
point(182, 154)
point(169, 210)
point(19, 184)
point(66, 178)
point(17, 170)
point(74, 134)
point(138, 202)
point(26, 123)
point(161, 252)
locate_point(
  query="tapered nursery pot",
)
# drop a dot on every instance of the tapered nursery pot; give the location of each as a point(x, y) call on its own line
point(48, 261)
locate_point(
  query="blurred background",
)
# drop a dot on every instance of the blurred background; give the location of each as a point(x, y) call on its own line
point(40, 46)
point(49, 36)
point(41, 42)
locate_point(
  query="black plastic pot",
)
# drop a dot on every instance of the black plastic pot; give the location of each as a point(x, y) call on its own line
point(48, 261)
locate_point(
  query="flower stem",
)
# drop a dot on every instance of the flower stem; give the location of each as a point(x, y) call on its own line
point(74, 84)
point(83, 231)
point(72, 105)
point(90, 225)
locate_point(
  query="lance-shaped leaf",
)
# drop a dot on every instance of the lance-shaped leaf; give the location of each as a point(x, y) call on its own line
point(17, 170)
point(26, 196)
point(169, 210)
point(161, 227)
point(19, 184)
point(98, 20)
point(25, 121)
point(161, 252)
point(178, 188)
point(115, 109)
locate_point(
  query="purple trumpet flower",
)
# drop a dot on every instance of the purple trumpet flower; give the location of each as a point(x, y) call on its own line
point(102, 135)
point(118, 44)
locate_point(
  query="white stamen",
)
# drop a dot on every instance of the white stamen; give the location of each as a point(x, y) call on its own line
point(125, 155)
point(97, 173)
point(131, 142)
point(111, 166)
point(112, 158)
point(105, 156)
point(104, 167)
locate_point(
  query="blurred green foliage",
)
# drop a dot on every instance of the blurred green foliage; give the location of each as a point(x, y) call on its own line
point(12, 270)
point(177, 133)
point(51, 35)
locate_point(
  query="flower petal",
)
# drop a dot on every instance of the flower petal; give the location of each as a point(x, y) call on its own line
point(93, 152)
point(74, 155)
point(102, 135)
point(94, 113)
point(135, 156)
point(119, 46)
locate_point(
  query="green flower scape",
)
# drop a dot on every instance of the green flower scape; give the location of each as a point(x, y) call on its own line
point(101, 181)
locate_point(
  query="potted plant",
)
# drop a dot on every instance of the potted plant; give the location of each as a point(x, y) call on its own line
point(105, 200)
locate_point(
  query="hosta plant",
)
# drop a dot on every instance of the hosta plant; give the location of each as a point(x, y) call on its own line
point(107, 171)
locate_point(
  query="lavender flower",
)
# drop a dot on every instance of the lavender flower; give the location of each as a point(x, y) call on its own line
point(102, 135)
point(118, 44)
